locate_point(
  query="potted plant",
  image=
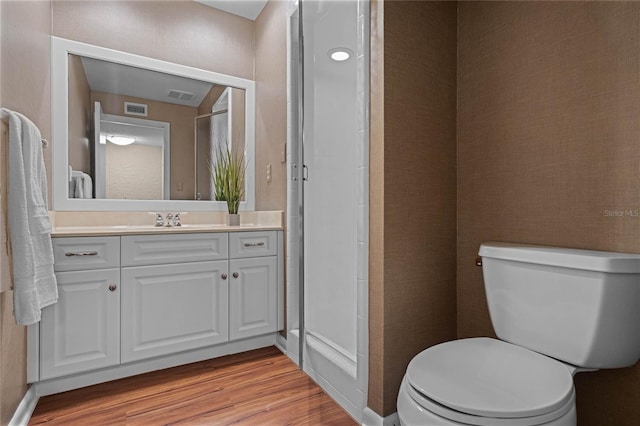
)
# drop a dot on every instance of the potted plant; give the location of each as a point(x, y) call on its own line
point(228, 178)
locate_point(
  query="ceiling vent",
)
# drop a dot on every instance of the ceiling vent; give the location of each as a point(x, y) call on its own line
point(181, 95)
point(131, 108)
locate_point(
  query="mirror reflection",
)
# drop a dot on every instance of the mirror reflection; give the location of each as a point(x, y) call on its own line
point(139, 134)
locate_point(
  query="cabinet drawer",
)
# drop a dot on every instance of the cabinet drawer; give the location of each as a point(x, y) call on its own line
point(253, 244)
point(79, 253)
point(141, 250)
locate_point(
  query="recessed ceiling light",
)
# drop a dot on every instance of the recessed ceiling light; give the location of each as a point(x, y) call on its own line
point(340, 54)
point(121, 140)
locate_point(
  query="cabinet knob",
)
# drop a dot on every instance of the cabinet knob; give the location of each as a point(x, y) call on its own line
point(235, 275)
point(223, 276)
point(112, 287)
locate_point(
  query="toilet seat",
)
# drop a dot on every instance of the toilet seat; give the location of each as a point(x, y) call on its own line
point(487, 381)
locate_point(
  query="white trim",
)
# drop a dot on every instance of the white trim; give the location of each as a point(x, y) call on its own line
point(33, 352)
point(371, 418)
point(337, 355)
point(60, 48)
point(281, 343)
point(63, 384)
point(25, 409)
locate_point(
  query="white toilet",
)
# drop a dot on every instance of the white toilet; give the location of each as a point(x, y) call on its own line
point(557, 312)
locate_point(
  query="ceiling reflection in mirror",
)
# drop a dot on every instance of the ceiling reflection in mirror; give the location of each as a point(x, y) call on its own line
point(139, 134)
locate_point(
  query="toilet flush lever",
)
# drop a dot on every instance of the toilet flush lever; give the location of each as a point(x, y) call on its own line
point(478, 261)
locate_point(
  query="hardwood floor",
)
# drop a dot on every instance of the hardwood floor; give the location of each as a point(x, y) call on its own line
point(261, 387)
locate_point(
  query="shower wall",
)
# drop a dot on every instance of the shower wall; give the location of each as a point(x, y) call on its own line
point(330, 190)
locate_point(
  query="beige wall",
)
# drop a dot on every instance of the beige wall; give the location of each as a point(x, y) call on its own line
point(238, 122)
point(204, 142)
point(271, 106)
point(25, 87)
point(183, 32)
point(79, 116)
point(548, 139)
point(180, 119)
point(412, 290)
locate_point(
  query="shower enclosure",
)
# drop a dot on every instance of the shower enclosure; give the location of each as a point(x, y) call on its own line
point(327, 199)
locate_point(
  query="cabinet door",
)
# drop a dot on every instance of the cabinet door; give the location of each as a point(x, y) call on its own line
point(81, 331)
point(173, 308)
point(252, 297)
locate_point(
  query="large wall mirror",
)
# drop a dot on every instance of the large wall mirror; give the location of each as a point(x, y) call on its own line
point(136, 133)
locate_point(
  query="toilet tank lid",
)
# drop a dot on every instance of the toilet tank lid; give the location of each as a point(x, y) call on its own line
point(590, 260)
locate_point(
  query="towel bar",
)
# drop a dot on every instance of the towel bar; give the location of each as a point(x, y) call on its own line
point(4, 115)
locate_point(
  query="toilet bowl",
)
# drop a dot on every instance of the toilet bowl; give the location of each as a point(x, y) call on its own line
point(482, 381)
point(556, 311)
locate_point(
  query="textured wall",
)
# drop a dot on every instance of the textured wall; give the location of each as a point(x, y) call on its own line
point(184, 32)
point(414, 208)
point(548, 140)
point(80, 110)
point(25, 82)
point(271, 105)
point(134, 172)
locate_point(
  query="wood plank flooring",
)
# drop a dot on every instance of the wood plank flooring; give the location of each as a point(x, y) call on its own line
point(261, 387)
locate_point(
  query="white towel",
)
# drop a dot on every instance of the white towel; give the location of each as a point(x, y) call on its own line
point(87, 186)
point(34, 283)
point(75, 187)
point(80, 185)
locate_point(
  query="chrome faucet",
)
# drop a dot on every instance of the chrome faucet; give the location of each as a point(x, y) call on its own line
point(169, 221)
point(176, 220)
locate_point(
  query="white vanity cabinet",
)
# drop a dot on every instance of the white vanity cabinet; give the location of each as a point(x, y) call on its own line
point(81, 332)
point(179, 299)
point(253, 285)
point(133, 303)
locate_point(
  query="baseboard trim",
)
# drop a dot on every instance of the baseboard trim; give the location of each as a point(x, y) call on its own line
point(66, 383)
point(371, 418)
point(25, 409)
point(281, 343)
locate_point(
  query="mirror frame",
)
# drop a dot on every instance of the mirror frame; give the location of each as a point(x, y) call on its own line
point(60, 49)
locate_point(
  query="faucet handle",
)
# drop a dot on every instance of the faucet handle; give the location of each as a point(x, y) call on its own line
point(176, 218)
point(159, 219)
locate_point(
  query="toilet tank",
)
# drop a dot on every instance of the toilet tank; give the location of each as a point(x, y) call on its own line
point(579, 306)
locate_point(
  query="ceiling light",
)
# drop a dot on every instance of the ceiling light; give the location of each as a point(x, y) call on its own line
point(121, 140)
point(340, 54)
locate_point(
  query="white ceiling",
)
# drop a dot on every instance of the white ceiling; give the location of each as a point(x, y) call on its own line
point(121, 79)
point(249, 9)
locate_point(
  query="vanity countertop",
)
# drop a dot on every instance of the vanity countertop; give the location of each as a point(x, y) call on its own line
point(92, 231)
point(89, 224)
